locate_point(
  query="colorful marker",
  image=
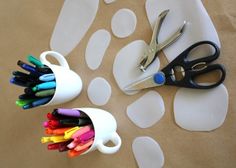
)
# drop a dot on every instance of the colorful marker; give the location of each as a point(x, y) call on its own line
point(28, 68)
point(81, 147)
point(44, 70)
point(45, 93)
point(85, 137)
point(73, 153)
point(37, 103)
point(46, 85)
point(81, 131)
point(75, 122)
point(69, 112)
point(47, 77)
point(34, 61)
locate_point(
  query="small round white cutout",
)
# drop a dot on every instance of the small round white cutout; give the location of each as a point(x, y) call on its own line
point(123, 23)
point(99, 91)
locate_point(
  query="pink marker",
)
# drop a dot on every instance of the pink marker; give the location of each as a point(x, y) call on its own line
point(46, 124)
point(73, 144)
point(86, 136)
point(81, 131)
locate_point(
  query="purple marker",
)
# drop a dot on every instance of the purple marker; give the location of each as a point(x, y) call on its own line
point(68, 112)
point(86, 136)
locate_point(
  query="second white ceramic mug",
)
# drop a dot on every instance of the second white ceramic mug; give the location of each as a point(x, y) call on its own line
point(68, 83)
point(105, 130)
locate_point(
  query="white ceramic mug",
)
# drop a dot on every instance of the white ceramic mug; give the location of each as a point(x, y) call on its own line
point(68, 83)
point(105, 130)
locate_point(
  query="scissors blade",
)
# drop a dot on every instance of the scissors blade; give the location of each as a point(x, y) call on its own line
point(144, 83)
point(173, 38)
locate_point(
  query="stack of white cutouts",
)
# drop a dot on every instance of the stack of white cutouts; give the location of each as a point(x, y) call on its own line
point(125, 67)
point(147, 153)
point(75, 18)
point(147, 110)
point(123, 23)
point(199, 25)
point(96, 48)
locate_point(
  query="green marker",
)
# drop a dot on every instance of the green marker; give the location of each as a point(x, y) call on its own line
point(35, 61)
point(21, 103)
point(45, 93)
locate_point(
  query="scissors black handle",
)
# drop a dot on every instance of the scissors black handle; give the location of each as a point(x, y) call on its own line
point(191, 70)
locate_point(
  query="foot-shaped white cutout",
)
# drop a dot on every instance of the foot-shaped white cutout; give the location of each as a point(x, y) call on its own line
point(75, 18)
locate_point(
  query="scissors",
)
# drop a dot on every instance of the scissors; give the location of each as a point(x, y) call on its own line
point(189, 69)
point(154, 47)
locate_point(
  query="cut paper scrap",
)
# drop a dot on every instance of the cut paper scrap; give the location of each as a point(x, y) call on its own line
point(75, 18)
point(147, 153)
point(147, 110)
point(201, 110)
point(199, 25)
point(123, 23)
point(96, 48)
point(99, 91)
point(125, 67)
point(109, 1)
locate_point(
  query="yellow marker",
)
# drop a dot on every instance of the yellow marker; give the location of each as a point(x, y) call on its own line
point(45, 139)
point(54, 139)
point(70, 132)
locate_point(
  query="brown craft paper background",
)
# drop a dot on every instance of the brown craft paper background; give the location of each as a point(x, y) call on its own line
point(26, 27)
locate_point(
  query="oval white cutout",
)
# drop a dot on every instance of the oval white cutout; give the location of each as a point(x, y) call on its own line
point(96, 48)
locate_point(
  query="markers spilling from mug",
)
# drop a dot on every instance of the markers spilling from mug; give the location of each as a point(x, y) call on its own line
point(70, 130)
point(39, 83)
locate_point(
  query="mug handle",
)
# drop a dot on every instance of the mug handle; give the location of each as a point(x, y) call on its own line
point(62, 61)
point(115, 138)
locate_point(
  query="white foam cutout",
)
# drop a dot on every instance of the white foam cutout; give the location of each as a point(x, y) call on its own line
point(75, 18)
point(147, 110)
point(123, 23)
point(201, 110)
point(96, 48)
point(109, 1)
point(99, 91)
point(147, 153)
point(125, 67)
point(199, 25)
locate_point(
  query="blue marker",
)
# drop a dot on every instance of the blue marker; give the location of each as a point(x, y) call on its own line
point(36, 103)
point(18, 82)
point(47, 77)
point(41, 101)
point(28, 68)
point(46, 85)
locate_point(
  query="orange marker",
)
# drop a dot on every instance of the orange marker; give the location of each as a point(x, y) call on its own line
point(58, 131)
point(84, 146)
point(73, 153)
